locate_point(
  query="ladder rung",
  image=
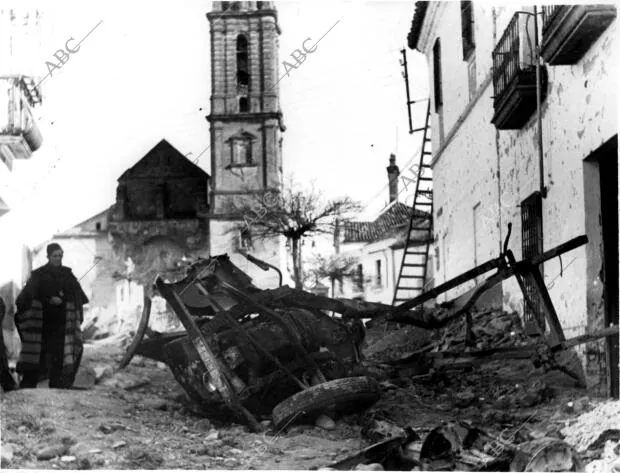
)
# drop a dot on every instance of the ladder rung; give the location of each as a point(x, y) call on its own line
point(427, 153)
point(415, 252)
point(406, 276)
point(425, 178)
point(415, 130)
point(424, 203)
point(426, 166)
point(414, 264)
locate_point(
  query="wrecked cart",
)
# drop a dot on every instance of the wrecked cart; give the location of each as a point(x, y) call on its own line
point(253, 352)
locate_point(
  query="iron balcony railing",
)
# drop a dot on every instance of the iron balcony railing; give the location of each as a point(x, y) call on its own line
point(509, 60)
point(506, 59)
point(548, 13)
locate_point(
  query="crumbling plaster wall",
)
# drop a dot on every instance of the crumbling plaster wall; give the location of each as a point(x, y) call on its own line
point(578, 115)
point(465, 161)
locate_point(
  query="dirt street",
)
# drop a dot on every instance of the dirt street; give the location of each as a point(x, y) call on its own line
point(140, 418)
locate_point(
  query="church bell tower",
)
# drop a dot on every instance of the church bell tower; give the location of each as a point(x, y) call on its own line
point(245, 120)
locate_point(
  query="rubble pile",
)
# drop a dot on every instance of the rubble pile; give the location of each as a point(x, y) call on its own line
point(595, 432)
point(504, 398)
point(489, 329)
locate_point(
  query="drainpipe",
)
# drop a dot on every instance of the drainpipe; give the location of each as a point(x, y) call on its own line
point(543, 189)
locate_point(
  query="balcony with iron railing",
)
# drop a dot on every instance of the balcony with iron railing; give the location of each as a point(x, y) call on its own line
point(570, 30)
point(19, 133)
point(514, 74)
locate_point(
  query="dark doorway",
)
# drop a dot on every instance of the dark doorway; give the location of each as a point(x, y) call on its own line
point(608, 165)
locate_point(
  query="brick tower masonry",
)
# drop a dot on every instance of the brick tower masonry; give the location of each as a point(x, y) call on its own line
point(245, 127)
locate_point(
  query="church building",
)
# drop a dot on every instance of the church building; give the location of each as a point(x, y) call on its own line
point(169, 210)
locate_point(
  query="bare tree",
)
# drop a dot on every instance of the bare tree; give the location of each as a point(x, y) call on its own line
point(335, 268)
point(294, 213)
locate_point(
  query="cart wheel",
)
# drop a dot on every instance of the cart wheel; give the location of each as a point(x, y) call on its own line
point(344, 394)
point(142, 328)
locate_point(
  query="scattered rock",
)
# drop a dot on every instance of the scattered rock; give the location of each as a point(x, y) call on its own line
point(212, 435)
point(102, 372)
point(156, 404)
point(581, 405)
point(95, 450)
point(68, 458)
point(51, 451)
point(503, 402)
point(85, 377)
point(230, 463)
point(325, 422)
point(204, 425)
point(145, 460)
point(6, 454)
point(530, 399)
point(162, 366)
point(126, 381)
point(492, 416)
point(108, 429)
point(119, 444)
point(379, 430)
point(266, 423)
point(464, 399)
point(370, 467)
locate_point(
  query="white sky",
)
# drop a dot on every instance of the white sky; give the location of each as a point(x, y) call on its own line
point(144, 74)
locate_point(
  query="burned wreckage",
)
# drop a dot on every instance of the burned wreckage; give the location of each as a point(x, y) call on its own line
point(256, 353)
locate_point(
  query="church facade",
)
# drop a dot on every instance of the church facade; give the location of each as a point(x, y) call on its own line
point(167, 209)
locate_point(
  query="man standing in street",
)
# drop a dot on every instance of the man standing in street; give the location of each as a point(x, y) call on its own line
point(48, 319)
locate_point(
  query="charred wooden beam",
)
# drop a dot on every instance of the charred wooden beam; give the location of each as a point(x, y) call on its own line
point(547, 304)
point(451, 284)
point(498, 263)
point(553, 252)
point(588, 337)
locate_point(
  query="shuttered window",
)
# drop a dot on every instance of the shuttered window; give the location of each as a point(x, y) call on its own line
point(467, 29)
point(437, 83)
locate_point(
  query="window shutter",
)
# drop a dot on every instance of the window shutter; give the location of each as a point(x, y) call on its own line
point(437, 83)
point(467, 28)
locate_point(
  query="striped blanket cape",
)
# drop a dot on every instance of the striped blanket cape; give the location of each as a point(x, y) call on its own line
point(30, 326)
